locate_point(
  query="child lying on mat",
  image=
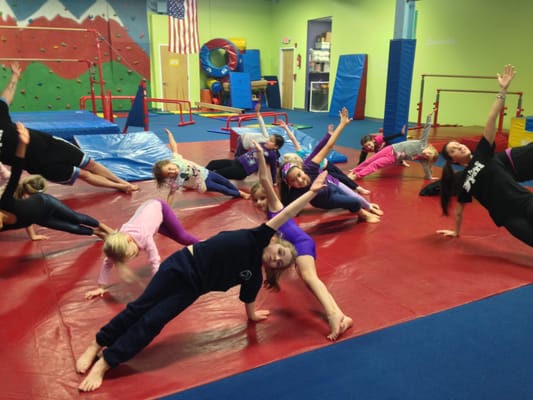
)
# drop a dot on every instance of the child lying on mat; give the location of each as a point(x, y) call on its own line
point(180, 173)
point(399, 154)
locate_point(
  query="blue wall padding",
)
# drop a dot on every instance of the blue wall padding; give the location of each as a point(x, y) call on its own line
point(306, 141)
point(240, 89)
point(130, 156)
point(347, 83)
point(65, 124)
point(251, 63)
point(399, 82)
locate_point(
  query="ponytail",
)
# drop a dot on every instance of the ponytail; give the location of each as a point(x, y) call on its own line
point(448, 181)
point(446, 186)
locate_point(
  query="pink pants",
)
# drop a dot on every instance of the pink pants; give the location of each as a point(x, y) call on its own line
point(383, 158)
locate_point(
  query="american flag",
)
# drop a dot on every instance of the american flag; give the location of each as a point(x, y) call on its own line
point(183, 26)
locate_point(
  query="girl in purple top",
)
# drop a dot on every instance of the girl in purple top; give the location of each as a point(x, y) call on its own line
point(295, 180)
point(225, 260)
point(138, 234)
point(265, 199)
point(246, 164)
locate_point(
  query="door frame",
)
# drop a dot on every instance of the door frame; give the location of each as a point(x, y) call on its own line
point(185, 59)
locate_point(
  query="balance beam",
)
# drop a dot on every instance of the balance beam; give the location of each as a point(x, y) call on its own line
point(218, 107)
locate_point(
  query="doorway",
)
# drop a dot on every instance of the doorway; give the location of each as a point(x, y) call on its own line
point(317, 80)
point(174, 77)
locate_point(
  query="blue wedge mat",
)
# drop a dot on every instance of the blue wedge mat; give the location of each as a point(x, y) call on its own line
point(479, 351)
point(130, 156)
point(350, 72)
point(306, 142)
point(66, 124)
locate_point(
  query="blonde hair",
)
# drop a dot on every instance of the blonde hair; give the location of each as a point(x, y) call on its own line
point(292, 158)
point(30, 185)
point(257, 186)
point(116, 247)
point(434, 153)
point(272, 275)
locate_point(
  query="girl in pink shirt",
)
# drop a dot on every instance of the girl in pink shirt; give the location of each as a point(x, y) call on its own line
point(138, 234)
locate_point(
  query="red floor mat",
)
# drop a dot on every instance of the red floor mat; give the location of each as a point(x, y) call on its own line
point(380, 274)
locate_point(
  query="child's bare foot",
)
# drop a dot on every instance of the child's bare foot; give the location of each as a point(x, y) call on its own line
point(346, 323)
point(369, 217)
point(352, 175)
point(375, 209)
point(361, 190)
point(88, 357)
point(95, 377)
point(244, 195)
point(334, 326)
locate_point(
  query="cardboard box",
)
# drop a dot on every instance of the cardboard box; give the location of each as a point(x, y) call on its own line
point(327, 38)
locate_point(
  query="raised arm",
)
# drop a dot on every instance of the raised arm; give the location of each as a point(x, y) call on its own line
point(171, 142)
point(427, 129)
point(274, 203)
point(261, 120)
point(344, 121)
point(9, 91)
point(504, 81)
point(291, 136)
point(297, 205)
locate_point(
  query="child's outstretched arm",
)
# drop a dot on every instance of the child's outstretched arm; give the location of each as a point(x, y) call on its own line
point(291, 136)
point(294, 208)
point(274, 204)
point(9, 91)
point(344, 121)
point(171, 142)
point(504, 81)
point(261, 120)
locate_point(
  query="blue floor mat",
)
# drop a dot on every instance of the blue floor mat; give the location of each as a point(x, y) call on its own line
point(482, 350)
point(66, 124)
point(130, 156)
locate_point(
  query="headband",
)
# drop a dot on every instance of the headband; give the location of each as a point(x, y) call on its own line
point(285, 168)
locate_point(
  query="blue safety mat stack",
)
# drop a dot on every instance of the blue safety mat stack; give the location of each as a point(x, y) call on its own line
point(66, 124)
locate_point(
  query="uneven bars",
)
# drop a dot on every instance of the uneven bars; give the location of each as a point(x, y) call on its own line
point(421, 98)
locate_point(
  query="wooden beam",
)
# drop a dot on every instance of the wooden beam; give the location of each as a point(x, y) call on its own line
point(218, 107)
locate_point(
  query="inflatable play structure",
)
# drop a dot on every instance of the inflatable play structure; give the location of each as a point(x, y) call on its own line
point(233, 74)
